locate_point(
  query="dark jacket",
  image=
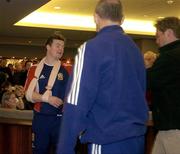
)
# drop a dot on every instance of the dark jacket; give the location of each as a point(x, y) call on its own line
point(164, 83)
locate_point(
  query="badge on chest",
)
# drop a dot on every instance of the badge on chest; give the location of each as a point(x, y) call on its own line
point(60, 76)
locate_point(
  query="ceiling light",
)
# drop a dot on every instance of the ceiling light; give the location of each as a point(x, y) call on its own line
point(139, 27)
point(170, 1)
point(160, 17)
point(81, 22)
point(57, 7)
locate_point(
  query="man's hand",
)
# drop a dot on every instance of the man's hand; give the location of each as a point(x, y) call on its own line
point(55, 101)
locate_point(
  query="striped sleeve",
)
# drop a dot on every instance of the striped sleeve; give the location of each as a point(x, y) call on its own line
point(81, 93)
point(30, 76)
point(75, 86)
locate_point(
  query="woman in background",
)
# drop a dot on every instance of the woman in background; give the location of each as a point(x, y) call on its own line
point(9, 100)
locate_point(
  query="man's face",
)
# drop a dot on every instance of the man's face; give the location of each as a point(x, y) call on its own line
point(56, 49)
point(12, 102)
point(19, 91)
point(161, 38)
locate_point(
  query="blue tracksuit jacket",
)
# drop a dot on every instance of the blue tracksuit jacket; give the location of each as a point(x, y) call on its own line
point(105, 101)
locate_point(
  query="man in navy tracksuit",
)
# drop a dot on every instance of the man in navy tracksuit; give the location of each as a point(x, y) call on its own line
point(45, 86)
point(105, 105)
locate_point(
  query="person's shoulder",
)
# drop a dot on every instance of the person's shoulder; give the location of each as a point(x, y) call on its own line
point(95, 42)
point(33, 66)
point(32, 69)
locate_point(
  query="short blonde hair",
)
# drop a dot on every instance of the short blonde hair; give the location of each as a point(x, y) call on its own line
point(150, 54)
point(149, 58)
point(6, 96)
point(18, 87)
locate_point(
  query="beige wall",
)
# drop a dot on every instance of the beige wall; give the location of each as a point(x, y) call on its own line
point(147, 45)
point(29, 51)
point(32, 51)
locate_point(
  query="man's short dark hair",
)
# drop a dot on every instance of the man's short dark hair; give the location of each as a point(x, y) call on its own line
point(110, 9)
point(55, 37)
point(169, 23)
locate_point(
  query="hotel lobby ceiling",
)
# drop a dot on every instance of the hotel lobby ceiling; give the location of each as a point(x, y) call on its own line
point(11, 11)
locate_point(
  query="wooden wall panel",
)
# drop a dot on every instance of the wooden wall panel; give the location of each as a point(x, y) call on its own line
point(15, 139)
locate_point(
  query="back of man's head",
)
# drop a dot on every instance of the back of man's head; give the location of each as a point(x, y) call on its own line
point(109, 9)
point(172, 23)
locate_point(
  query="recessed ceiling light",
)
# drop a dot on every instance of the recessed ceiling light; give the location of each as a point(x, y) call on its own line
point(170, 1)
point(160, 17)
point(57, 7)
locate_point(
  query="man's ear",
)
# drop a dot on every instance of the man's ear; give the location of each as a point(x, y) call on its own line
point(122, 21)
point(47, 46)
point(169, 32)
point(96, 18)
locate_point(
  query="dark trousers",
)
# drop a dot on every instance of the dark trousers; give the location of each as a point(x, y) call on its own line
point(46, 133)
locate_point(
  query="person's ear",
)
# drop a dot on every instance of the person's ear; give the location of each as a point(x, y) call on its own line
point(122, 20)
point(169, 33)
point(96, 18)
point(47, 46)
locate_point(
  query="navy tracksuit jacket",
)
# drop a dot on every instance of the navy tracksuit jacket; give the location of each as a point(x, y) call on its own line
point(105, 100)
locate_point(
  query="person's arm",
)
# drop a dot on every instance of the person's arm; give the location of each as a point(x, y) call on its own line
point(83, 86)
point(36, 97)
point(52, 100)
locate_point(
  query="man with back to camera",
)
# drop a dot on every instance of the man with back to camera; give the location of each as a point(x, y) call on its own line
point(45, 86)
point(105, 105)
point(164, 83)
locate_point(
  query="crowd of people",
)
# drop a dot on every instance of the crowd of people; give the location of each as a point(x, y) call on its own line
point(12, 81)
point(102, 101)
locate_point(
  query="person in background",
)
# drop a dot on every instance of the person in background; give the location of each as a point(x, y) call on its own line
point(3, 77)
point(27, 65)
point(149, 58)
point(18, 75)
point(11, 67)
point(6, 86)
point(20, 94)
point(9, 100)
point(105, 105)
point(164, 83)
point(3, 80)
point(45, 86)
point(5, 69)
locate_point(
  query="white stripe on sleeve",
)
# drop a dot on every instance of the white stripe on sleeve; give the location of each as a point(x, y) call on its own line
point(95, 149)
point(78, 67)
